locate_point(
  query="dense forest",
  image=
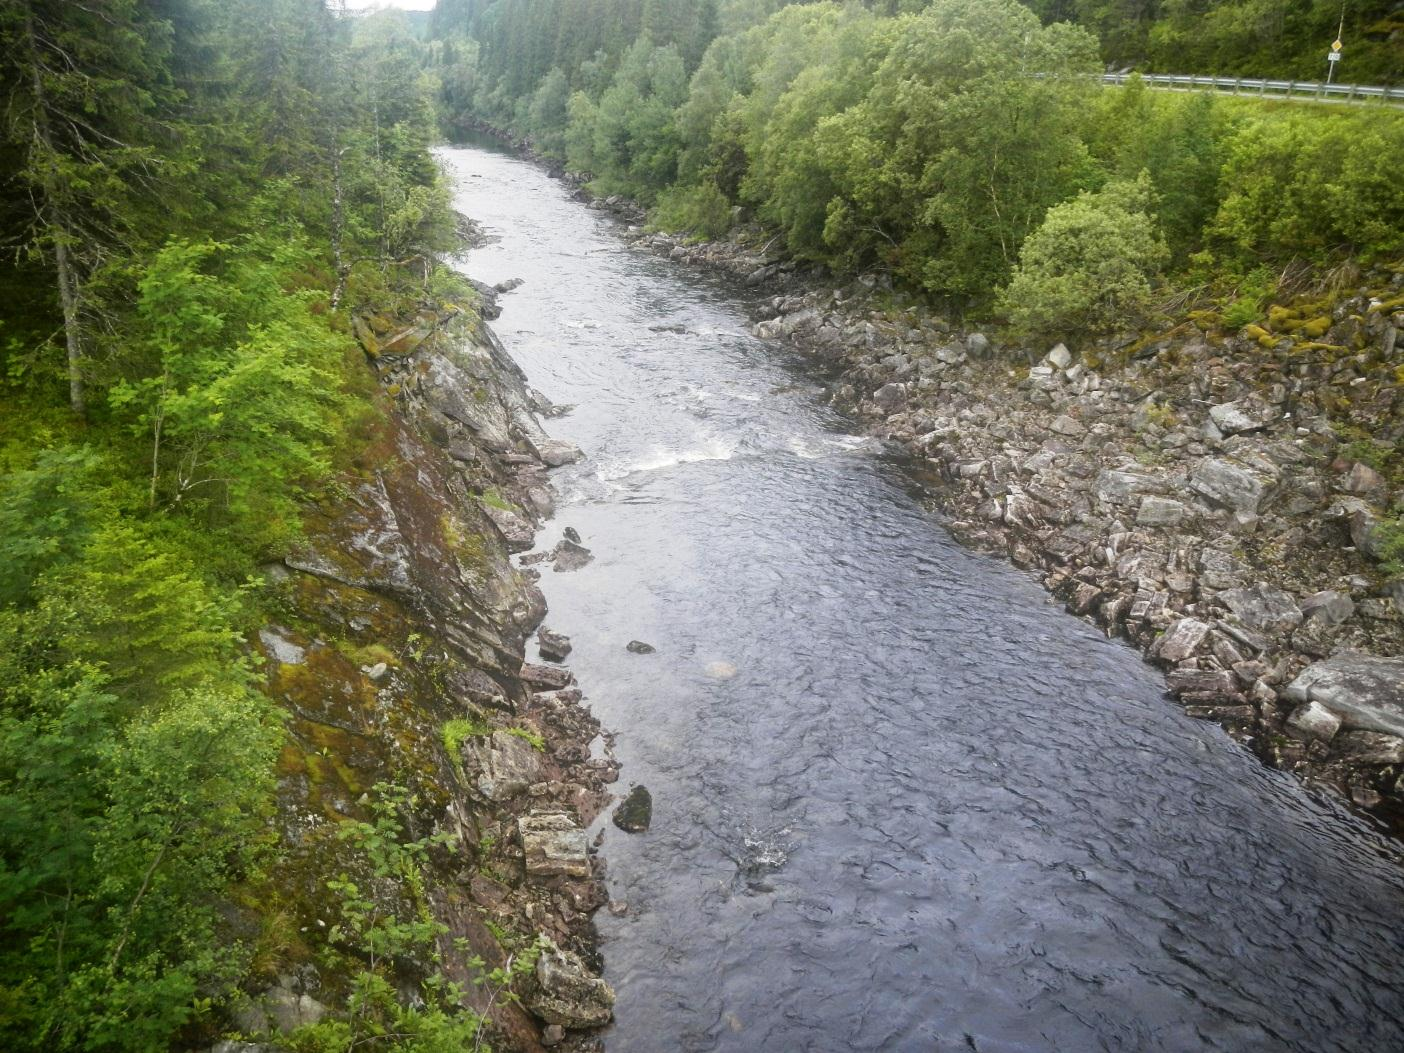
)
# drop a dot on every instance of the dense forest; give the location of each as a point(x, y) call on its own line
point(194, 193)
point(941, 141)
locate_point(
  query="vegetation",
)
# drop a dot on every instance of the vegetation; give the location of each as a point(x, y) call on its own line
point(944, 141)
point(195, 194)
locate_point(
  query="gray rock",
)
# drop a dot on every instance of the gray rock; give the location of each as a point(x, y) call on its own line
point(283, 650)
point(890, 396)
point(555, 453)
point(1330, 607)
point(378, 672)
point(1221, 570)
point(516, 529)
point(552, 1035)
point(1068, 427)
point(639, 647)
point(1362, 479)
point(501, 766)
point(635, 812)
point(1059, 358)
point(279, 1009)
point(1118, 487)
point(1366, 533)
point(553, 846)
point(1182, 640)
point(977, 345)
point(1370, 747)
point(1227, 485)
point(1263, 607)
point(553, 646)
point(1160, 512)
point(1315, 721)
point(1231, 418)
point(1365, 691)
point(567, 993)
point(570, 555)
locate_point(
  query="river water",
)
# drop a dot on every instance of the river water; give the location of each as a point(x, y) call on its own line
point(902, 801)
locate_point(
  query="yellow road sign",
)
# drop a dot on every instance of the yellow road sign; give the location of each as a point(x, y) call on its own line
point(1336, 46)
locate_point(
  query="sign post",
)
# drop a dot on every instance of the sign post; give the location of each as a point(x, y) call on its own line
point(1332, 58)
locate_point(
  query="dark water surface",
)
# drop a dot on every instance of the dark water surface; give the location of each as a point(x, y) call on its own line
point(902, 802)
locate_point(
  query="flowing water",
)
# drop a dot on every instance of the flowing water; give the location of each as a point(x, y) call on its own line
point(902, 801)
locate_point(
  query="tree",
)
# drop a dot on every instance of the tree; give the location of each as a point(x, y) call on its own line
point(1091, 262)
point(84, 80)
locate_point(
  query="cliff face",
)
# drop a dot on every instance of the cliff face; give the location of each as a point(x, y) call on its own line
point(397, 652)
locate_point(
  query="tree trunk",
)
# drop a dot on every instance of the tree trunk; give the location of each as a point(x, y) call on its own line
point(68, 295)
point(68, 282)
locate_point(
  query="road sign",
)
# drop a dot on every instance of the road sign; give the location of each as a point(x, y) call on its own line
point(1334, 56)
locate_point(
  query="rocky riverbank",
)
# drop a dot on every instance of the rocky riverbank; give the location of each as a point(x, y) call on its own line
point(1220, 498)
point(399, 655)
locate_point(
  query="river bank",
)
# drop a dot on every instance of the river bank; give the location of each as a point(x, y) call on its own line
point(1196, 491)
point(400, 656)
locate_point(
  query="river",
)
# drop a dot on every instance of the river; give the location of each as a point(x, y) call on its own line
point(902, 801)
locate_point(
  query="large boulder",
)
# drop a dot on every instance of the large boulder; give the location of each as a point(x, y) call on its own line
point(1264, 608)
point(503, 766)
point(553, 846)
point(567, 993)
point(1228, 485)
point(1365, 691)
point(1232, 418)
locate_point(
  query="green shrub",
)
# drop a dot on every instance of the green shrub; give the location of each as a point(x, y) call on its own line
point(1090, 264)
point(701, 210)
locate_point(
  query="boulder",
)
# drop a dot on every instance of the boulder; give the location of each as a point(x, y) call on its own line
point(1182, 640)
point(570, 555)
point(1313, 720)
point(555, 453)
point(1119, 487)
point(1059, 358)
point(977, 345)
point(1227, 485)
point(1263, 607)
point(567, 993)
point(890, 397)
point(1370, 747)
point(553, 646)
point(1068, 427)
point(553, 846)
point(1160, 512)
point(1232, 418)
point(1365, 691)
point(639, 647)
point(1329, 607)
point(635, 812)
point(1366, 533)
point(502, 766)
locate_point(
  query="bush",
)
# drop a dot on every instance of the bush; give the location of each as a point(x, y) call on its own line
point(1090, 263)
point(701, 210)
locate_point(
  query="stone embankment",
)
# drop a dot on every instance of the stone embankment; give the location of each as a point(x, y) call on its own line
point(398, 654)
point(1206, 495)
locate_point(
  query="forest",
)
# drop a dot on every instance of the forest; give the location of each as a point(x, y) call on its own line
point(960, 144)
point(197, 195)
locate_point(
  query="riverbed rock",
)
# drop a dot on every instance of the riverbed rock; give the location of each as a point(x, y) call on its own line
point(501, 766)
point(1330, 607)
point(1160, 512)
point(554, 453)
point(553, 646)
point(567, 993)
point(1263, 607)
point(570, 555)
point(639, 647)
point(1365, 691)
point(1315, 721)
point(1182, 640)
point(1227, 485)
point(553, 846)
point(635, 812)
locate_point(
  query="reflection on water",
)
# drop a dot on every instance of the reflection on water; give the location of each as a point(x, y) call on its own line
point(901, 801)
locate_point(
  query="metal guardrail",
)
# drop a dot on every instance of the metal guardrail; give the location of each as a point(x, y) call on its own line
point(1299, 90)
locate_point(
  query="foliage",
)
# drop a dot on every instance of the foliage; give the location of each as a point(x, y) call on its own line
point(702, 210)
point(385, 927)
point(1091, 262)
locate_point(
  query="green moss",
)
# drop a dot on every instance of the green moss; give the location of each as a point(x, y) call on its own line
point(532, 737)
point(458, 731)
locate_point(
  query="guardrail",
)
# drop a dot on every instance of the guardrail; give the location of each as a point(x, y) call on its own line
point(1299, 90)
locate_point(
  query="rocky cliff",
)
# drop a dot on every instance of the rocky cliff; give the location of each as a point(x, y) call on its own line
point(398, 653)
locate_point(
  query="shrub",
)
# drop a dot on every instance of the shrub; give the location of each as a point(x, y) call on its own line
point(1090, 263)
point(701, 210)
